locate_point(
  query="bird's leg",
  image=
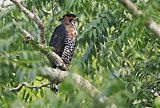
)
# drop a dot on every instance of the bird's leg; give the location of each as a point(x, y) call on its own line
point(54, 87)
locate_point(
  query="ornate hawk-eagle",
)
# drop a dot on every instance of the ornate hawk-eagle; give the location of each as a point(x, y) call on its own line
point(64, 40)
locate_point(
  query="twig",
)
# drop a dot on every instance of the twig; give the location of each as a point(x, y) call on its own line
point(150, 24)
point(25, 84)
point(33, 17)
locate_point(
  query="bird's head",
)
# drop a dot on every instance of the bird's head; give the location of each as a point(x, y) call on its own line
point(68, 19)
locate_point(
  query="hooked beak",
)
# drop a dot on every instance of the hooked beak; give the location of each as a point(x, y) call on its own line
point(73, 23)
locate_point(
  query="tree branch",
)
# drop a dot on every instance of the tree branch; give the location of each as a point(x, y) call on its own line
point(33, 17)
point(56, 75)
point(25, 84)
point(150, 24)
point(52, 56)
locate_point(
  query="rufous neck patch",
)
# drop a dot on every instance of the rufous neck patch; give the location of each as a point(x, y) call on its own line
point(71, 31)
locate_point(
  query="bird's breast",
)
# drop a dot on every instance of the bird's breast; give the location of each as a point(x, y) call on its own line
point(71, 31)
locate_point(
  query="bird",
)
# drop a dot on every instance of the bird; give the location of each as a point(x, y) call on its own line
point(63, 40)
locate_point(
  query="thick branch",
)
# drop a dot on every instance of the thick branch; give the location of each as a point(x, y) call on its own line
point(25, 84)
point(56, 75)
point(33, 17)
point(150, 24)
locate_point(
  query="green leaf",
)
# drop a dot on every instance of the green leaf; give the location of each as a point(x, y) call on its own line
point(24, 93)
point(27, 97)
point(42, 92)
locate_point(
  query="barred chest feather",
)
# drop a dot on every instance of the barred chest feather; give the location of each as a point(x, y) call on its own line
point(70, 43)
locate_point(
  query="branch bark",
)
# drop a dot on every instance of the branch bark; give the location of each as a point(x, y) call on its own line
point(56, 75)
point(34, 17)
point(150, 23)
point(53, 57)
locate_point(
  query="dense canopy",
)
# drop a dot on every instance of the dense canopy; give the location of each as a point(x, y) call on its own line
point(116, 61)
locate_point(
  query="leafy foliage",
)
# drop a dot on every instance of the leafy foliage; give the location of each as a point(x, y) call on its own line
point(115, 52)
